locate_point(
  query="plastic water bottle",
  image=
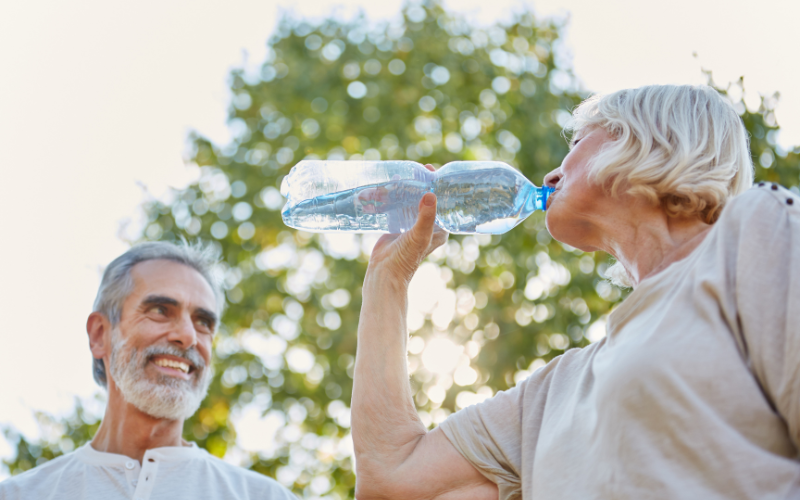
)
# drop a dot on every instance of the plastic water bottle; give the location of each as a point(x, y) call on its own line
point(486, 197)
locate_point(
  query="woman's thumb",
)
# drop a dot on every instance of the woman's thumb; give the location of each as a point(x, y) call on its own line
point(422, 231)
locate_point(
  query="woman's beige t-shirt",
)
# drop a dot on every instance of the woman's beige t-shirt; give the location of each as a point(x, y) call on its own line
point(693, 393)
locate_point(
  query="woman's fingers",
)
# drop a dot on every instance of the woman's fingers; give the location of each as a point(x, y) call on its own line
point(430, 167)
point(401, 255)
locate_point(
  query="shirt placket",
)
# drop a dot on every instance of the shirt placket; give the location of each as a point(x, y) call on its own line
point(132, 472)
point(147, 477)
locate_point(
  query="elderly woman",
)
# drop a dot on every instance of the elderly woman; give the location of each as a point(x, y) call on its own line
point(695, 390)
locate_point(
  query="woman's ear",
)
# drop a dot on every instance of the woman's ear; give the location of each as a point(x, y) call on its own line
point(99, 330)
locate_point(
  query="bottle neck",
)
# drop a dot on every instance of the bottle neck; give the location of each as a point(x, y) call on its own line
point(536, 199)
point(542, 195)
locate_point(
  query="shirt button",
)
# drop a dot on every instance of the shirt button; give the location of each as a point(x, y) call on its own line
point(134, 482)
point(130, 465)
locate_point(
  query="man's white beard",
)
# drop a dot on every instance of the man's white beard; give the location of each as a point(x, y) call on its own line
point(165, 397)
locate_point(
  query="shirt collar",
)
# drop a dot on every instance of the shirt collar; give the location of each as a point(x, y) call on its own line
point(91, 456)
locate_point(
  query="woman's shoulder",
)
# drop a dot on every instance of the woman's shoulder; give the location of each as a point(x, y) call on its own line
point(761, 201)
point(762, 247)
point(760, 212)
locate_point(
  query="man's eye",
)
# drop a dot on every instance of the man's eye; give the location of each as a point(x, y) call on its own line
point(159, 309)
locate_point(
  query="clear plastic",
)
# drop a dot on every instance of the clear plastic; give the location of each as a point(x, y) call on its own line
point(486, 197)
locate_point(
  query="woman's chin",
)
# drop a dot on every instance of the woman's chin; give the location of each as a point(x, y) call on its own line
point(563, 230)
point(554, 223)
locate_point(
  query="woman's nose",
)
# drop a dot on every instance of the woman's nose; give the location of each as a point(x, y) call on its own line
point(551, 179)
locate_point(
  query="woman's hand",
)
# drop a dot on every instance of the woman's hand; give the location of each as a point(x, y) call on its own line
point(397, 256)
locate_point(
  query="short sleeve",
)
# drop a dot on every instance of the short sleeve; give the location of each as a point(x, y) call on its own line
point(767, 287)
point(490, 434)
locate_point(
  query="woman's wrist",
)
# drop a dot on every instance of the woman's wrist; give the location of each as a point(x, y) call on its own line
point(384, 303)
point(382, 281)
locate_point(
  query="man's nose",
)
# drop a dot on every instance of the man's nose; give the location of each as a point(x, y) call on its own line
point(551, 179)
point(184, 333)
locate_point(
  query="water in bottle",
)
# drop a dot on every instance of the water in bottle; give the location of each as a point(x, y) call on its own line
point(383, 196)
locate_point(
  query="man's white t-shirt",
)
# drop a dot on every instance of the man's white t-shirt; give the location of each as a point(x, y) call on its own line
point(168, 473)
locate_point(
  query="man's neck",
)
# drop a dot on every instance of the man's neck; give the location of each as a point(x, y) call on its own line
point(126, 430)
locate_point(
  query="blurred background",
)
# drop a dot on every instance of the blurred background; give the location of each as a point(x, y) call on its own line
point(123, 122)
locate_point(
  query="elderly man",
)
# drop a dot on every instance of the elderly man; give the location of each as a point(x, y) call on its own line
point(150, 334)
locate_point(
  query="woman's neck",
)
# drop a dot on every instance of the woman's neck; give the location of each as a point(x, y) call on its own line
point(646, 240)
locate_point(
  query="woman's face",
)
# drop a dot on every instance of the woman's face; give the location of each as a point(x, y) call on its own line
point(576, 203)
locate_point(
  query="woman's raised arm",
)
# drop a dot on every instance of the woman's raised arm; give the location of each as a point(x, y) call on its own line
point(396, 457)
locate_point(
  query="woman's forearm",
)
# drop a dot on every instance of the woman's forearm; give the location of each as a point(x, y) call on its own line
point(386, 427)
point(393, 456)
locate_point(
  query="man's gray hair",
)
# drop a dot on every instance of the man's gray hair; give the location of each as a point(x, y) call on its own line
point(117, 282)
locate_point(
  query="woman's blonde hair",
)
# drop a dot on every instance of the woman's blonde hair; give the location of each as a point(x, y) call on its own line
point(681, 146)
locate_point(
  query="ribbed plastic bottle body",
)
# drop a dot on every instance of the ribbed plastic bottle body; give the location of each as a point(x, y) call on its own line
point(383, 196)
point(356, 196)
point(487, 197)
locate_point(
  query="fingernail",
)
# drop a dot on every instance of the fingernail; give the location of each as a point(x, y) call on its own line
point(429, 199)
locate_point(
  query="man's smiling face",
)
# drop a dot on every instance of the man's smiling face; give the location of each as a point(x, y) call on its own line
point(161, 348)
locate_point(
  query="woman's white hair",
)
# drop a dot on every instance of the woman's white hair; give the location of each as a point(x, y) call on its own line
point(681, 146)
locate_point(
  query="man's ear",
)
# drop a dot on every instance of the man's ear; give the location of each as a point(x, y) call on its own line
point(99, 329)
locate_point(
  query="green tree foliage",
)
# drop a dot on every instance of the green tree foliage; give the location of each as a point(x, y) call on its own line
point(59, 436)
point(430, 88)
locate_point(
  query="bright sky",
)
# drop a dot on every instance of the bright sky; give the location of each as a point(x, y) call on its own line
point(96, 99)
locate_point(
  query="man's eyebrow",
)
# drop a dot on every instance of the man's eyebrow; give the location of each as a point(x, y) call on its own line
point(159, 300)
point(202, 311)
point(164, 300)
